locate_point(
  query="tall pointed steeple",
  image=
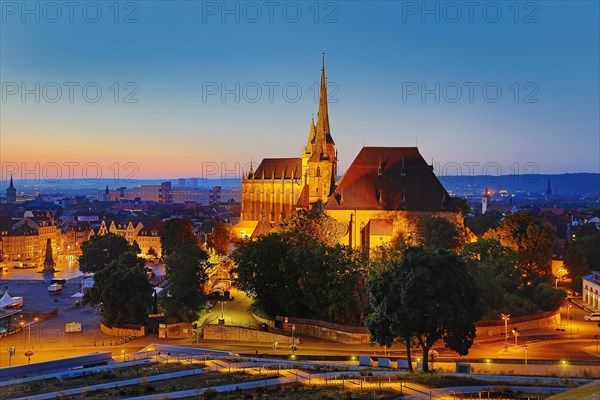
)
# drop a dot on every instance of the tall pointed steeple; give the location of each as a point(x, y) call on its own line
point(11, 192)
point(311, 136)
point(323, 115)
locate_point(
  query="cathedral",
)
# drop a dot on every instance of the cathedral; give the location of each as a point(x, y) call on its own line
point(380, 197)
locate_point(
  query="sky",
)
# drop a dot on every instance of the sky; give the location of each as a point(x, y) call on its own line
point(157, 89)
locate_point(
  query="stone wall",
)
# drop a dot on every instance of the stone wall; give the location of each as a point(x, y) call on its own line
point(181, 330)
point(123, 332)
point(241, 334)
point(548, 320)
point(360, 335)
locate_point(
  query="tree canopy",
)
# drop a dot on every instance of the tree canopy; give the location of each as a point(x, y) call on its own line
point(583, 254)
point(186, 269)
point(294, 275)
point(314, 224)
point(220, 237)
point(437, 233)
point(121, 288)
point(427, 296)
point(497, 272)
point(174, 232)
point(100, 250)
point(530, 238)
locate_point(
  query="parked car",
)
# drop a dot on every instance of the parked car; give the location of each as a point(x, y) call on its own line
point(592, 317)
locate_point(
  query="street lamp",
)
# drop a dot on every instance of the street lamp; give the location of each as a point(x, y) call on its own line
point(293, 340)
point(505, 317)
point(525, 358)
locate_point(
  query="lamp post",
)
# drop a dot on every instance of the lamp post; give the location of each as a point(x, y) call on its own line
point(505, 317)
point(525, 358)
point(293, 339)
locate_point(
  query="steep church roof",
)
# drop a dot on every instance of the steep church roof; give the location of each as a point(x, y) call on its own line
point(390, 178)
point(278, 168)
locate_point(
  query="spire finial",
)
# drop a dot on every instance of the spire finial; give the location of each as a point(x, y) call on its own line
point(323, 66)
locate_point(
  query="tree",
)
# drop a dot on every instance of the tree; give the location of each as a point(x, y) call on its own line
point(530, 238)
point(174, 232)
point(583, 254)
point(437, 233)
point(100, 250)
point(314, 224)
point(121, 291)
point(428, 295)
point(220, 237)
point(482, 223)
point(186, 269)
point(262, 269)
point(463, 205)
point(136, 247)
point(332, 281)
point(496, 271)
point(294, 275)
point(152, 252)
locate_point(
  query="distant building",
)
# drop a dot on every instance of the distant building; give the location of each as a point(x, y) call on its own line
point(181, 182)
point(163, 193)
point(485, 200)
point(11, 192)
point(215, 195)
point(591, 290)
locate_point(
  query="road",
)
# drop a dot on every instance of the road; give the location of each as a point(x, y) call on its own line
point(49, 341)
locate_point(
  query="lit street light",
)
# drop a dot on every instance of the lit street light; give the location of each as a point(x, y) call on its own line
point(506, 317)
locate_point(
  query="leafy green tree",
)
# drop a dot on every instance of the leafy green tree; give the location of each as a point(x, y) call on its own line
point(100, 250)
point(548, 298)
point(437, 233)
point(314, 224)
point(496, 271)
point(294, 275)
point(263, 271)
point(429, 296)
point(332, 281)
point(186, 271)
point(482, 223)
point(220, 237)
point(174, 232)
point(463, 205)
point(530, 238)
point(121, 291)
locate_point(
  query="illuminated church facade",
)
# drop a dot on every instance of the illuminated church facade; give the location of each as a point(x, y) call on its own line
point(380, 197)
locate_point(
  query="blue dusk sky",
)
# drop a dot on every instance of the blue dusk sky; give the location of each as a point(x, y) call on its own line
point(168, 89)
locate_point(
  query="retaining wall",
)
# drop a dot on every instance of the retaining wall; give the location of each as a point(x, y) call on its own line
point(241, 334)
point(123, 332)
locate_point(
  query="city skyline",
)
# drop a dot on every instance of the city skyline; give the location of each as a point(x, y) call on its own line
point(194, 85)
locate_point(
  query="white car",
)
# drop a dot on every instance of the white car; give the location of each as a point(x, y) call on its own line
point(592, 317)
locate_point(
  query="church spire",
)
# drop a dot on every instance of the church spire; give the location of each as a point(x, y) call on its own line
point(323, 115)
point(11, 186)
point(311, 135)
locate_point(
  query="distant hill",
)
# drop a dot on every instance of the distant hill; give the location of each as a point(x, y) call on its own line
point(562, 185)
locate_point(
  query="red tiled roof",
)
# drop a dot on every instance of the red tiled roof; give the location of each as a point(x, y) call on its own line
point(287, 168)
point(405, 182)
